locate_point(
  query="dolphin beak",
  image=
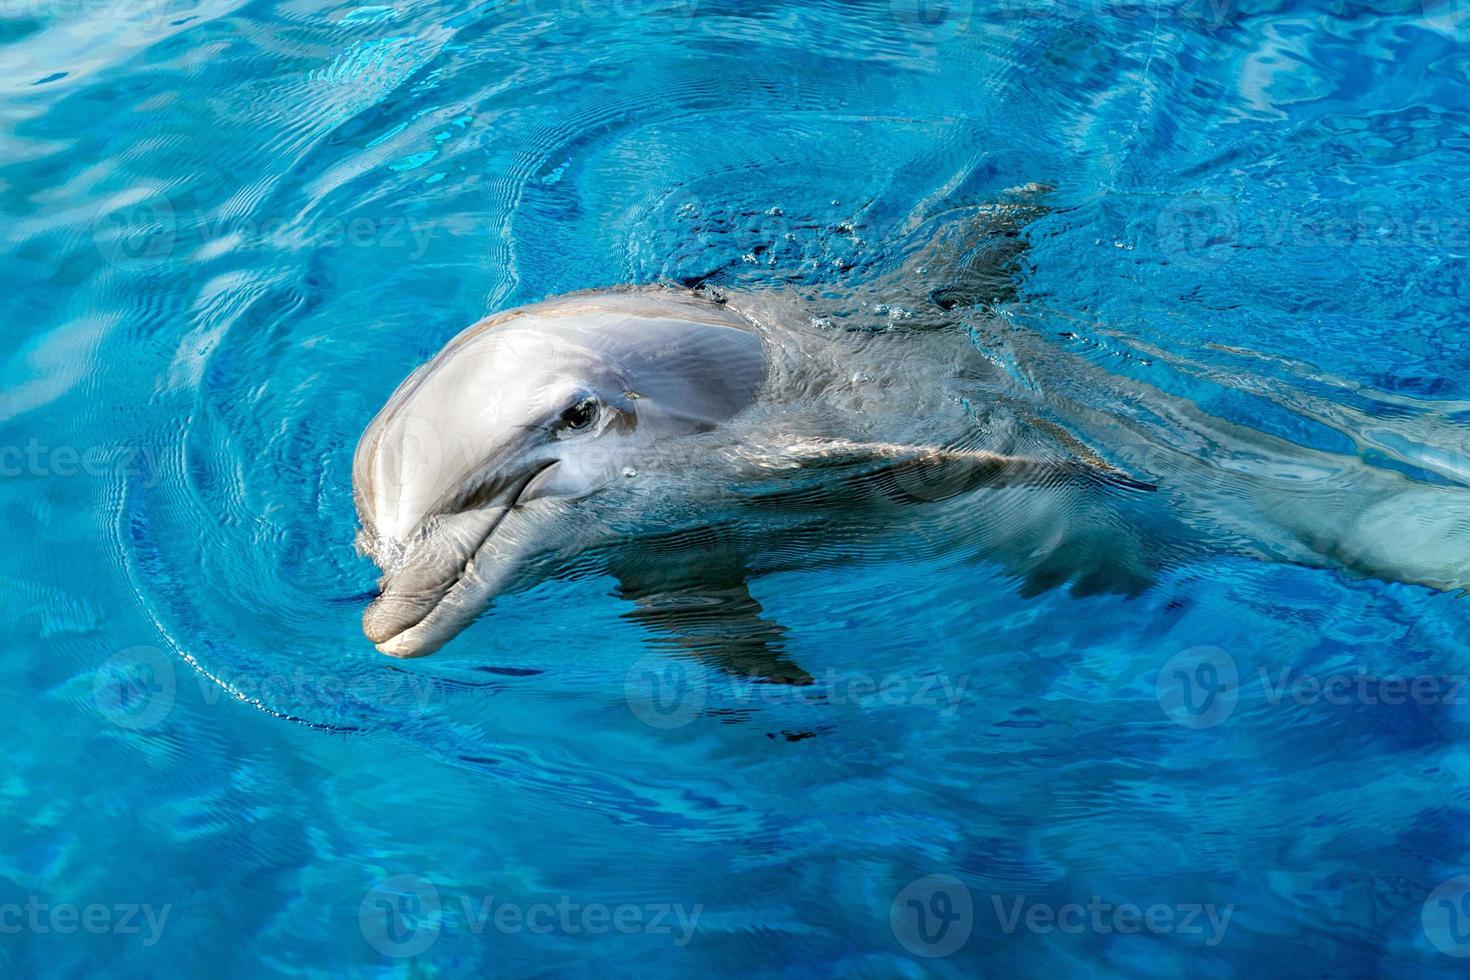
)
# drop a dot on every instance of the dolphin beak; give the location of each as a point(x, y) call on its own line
point(445, 578)
point(395, 619)
point(407, 619)
point(408, 646)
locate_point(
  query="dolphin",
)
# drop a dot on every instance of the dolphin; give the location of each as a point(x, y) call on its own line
point(685, 440)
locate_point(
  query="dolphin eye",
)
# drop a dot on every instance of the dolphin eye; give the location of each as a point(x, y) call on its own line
point(579, 416)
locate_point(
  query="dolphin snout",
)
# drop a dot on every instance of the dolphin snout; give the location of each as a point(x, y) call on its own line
point(412, 591)
point(433, 592)
point(415, 624)
point(390, 616)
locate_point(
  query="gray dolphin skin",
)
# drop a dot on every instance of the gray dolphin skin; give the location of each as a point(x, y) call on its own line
point(683, 441)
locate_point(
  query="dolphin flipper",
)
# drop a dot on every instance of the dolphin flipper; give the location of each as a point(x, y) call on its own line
point(1051, 522)
point(717, 622)
point(936, 472)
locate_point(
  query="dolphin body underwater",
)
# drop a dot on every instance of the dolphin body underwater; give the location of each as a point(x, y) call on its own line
point(686, 440)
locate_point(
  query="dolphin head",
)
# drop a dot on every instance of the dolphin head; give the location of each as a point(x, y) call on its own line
point(478, 462)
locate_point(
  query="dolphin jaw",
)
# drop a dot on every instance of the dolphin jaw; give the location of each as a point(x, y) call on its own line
point(418, 578)
point(417, 610)
point(436, 617)
point(402, 649)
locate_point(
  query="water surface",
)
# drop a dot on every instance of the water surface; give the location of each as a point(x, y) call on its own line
point(232, 228)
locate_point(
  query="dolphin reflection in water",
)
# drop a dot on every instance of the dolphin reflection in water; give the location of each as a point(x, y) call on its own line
point(685, 440)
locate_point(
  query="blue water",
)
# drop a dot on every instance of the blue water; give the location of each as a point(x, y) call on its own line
point(230, 229)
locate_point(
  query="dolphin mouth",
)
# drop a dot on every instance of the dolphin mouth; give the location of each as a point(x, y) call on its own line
point(402, 624)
